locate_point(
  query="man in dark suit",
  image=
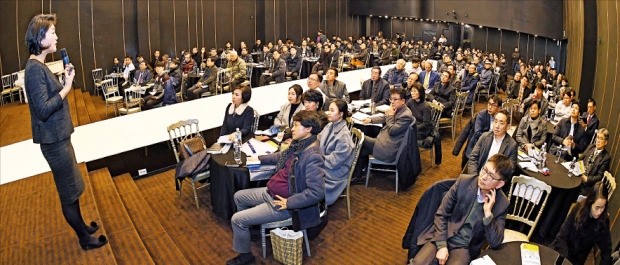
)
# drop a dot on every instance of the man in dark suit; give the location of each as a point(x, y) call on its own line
point(376, 88)
point(428, 77)
point(397, 120)
point(491, 143)
point(276, 72)
point(596, 160)
point(469, 83)
point(206, 81)
point(472, 211)
point(143, 75)
point(569, 133)
point(589, 121)
point(482, 123)
point(444, 94)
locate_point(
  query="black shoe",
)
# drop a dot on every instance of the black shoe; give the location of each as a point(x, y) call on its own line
point(358, 180)
point(241, 259)
point(92, 228)
point(99, 242)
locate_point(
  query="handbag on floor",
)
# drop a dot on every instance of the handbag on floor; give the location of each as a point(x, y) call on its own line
point(287, 246)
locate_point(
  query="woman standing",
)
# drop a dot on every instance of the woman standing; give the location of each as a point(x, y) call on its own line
point(587, 224)
point(336, 148)
point(52, 127)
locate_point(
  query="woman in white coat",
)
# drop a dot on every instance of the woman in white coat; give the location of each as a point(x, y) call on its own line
point(337, 149)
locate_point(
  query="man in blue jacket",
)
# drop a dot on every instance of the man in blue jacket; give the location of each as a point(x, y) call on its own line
point(296, 188)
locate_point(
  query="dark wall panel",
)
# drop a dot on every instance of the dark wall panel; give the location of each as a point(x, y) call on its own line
point(479, 38)
point(539, 50)
point(493, 39)
point(225, 24)
point(312, 10)
point(108, 40)
point(87, 58)
point(524, 47)
point(407, 8)
point(180, 10)
point(293, 17)
point(167, 13)
point(510, 40)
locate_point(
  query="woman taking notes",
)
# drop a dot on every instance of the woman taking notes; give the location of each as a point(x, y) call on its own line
point(52, 127)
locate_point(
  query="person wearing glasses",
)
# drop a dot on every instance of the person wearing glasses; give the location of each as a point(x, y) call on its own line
point(482, 123)
point(471, 212)
point(497, 141)
point(397, 120)
point(596, 159)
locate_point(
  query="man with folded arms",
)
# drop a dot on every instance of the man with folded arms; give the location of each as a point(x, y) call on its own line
point(376, 88)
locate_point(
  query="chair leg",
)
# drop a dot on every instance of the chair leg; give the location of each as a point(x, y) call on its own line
point(396, 181)
point(180, 183)
point(263, 242)
point(307, 242)
point(367, 173)
point(348, 205)
point(195, 194)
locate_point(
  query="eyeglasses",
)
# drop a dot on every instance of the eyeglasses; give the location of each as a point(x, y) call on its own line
point(489, 174)
point(394, 99)
point(493, 104)
point(313, 79)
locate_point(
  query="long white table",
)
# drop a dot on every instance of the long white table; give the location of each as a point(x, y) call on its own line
point(114, 136)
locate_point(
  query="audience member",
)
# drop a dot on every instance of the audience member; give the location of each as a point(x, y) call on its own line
point(206, 83)
point(334, 89)
point(127, 68)
point(238, 114)
point(142, 75)
point(589, 121)
point(293, 64)
point(237, 69)
point(188, 65)
point(532, 130)
point(397, 75)
point(337, 150)
point(117, 67)
point(421, 111)
point(537, 96)
point(587, 224)
point(428, 77)
point(164, 90)
point(563, 109)
point(568, 133)
point(276, 72)
point(278, 201)
point(471, 212)
point(397, 120)
point(469, 83)
point(494, 142)
point(376, 88)
point(596, 160)
point(444, 94)
point(176, 74)
point(359, 59)
point(325, 60)
point(313, 101)
point(284, 119)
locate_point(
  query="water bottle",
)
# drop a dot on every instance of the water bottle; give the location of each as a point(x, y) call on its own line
point(237, 146)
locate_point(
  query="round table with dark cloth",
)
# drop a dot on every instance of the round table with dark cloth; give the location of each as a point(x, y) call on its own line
point(510, 254)
point(225, 181)
point(564, 191)
point(257, 71)
point(306, 67)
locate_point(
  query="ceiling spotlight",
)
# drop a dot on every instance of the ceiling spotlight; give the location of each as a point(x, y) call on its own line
point(480, 26)
point(499, 29)
point(535, 35)
point(370, 15)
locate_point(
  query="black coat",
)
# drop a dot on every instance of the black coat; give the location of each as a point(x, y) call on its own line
point(409, 165)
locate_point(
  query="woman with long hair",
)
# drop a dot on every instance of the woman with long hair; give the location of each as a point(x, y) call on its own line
point(587, 224)
point(52, 127)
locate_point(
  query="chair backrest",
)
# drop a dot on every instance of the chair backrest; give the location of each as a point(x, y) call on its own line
point(593, 140)
point(182, 130)
point(256, 118)
point(6, 81)
point(358, 139)
point(610, 182)
point(528, 197)
point(97, 75)
point(108, 88)
point(222, 79)
point(459, 106)
point(435, 113)
point(14, 77)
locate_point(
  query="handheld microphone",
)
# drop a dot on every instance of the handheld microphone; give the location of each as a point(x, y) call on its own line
point(65, 58)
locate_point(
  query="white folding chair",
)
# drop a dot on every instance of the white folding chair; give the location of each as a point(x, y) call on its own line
point(528, 197)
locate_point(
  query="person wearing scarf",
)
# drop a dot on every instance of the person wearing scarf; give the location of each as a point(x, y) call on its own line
point(294, 191)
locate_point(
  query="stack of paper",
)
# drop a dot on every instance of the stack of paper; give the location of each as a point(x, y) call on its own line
point(358, 118)
point(530, 254)
point(486, 260)
point(579, 169)
point(254, 147)
point(360, 103)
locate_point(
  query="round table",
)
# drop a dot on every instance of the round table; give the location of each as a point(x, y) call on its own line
point(225, 181)
point(564, 191)
point(510, 253)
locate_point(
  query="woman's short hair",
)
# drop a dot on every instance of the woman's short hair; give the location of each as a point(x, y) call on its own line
point(313, 96)
point(342, 106)
point(418, 87)
point(309, 119)
point(246, 93)
point(36, 31)
point(298, 90)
